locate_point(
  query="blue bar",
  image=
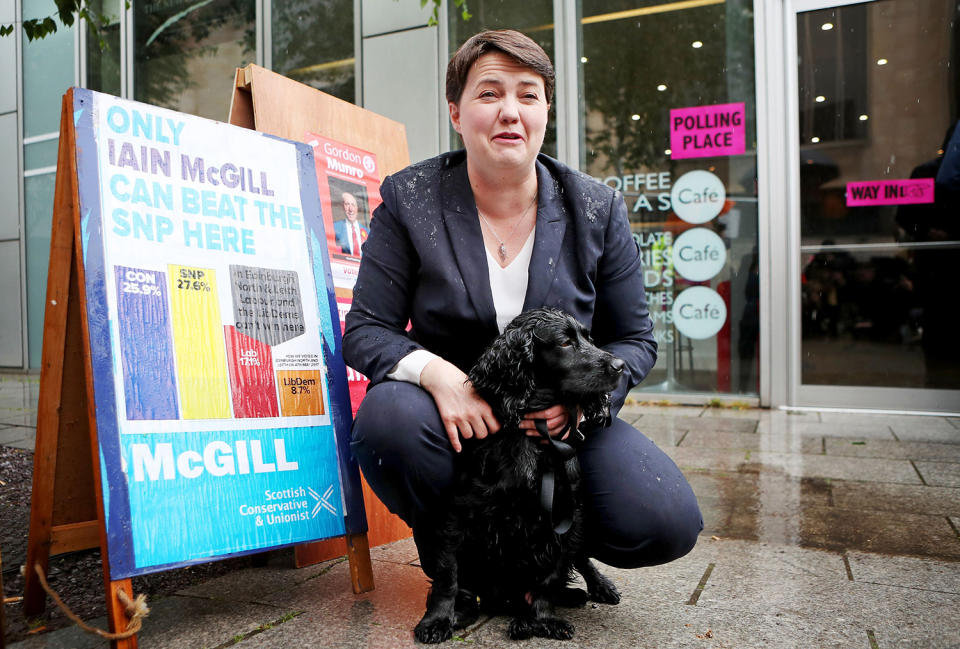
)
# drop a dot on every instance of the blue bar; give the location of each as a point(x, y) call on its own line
point(146, 344)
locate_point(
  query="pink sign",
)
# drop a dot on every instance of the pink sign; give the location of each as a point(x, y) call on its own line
point(707, 131)
point(890, 192)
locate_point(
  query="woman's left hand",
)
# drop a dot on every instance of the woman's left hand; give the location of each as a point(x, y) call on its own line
point(556, 417)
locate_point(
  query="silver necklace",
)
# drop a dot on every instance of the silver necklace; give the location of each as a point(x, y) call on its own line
point(502, 248)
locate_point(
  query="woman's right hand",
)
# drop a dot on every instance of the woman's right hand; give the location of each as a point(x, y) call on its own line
point(463, 412)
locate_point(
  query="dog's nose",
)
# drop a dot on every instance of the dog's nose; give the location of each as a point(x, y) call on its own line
point(617, 365)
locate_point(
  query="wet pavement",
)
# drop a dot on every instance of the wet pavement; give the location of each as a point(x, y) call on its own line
point(823, 529)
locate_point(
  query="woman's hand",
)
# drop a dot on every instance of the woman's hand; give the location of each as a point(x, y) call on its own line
point(463, 412)
point(556, 417)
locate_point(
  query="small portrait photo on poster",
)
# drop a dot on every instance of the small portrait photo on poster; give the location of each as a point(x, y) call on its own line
point(351, 215)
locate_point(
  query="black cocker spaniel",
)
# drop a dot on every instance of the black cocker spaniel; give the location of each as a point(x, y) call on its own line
point(514, 530)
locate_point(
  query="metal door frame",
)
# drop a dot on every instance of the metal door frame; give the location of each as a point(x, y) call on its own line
point(781, 346)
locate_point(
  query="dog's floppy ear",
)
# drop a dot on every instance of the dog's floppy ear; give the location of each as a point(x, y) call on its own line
point(504, 373)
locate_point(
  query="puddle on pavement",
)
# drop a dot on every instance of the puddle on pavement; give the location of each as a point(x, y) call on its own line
point(761, 503)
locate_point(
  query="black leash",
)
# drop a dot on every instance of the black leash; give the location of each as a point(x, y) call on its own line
point(556, 480)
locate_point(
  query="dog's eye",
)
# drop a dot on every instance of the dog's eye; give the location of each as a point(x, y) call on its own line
point(566, 343)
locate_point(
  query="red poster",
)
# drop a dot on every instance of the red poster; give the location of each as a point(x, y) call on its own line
point(348, 179)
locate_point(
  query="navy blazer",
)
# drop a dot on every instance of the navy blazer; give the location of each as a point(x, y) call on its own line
point(424, 262)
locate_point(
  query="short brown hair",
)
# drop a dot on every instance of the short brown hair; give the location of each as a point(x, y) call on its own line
point(517, 46)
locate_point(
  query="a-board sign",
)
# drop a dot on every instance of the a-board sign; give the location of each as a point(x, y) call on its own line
point(222, 408)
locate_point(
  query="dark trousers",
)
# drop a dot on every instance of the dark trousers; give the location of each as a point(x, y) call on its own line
point(640, 510)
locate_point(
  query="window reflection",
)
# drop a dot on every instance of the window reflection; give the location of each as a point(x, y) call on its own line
point(186, 52)
point(877, 265)
point(532, 17)
point(312, 42)
point(639, 60)
point(103, 48)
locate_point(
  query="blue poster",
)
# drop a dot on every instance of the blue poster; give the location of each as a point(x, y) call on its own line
point(221, 396)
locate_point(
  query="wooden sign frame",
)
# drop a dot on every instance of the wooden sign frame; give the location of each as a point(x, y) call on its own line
point(67, 510)
point(271, 103)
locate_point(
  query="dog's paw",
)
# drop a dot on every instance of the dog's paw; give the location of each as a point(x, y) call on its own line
point(467, 610)
point(570, 598)
point(433, 631)
point(605, 592)
point(556, 628)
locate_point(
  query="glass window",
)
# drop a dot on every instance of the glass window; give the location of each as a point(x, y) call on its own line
point(313, 43)
point(533, 18)
point(48, 70)
point(879, 194)
point(186, 52)
point(103, 48)
point(38, 215)
point(668, 119)
point(40, 154)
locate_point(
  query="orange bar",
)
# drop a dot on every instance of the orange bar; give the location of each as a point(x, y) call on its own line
point(301, 392)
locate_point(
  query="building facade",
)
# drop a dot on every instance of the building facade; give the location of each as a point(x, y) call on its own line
point(786, 164)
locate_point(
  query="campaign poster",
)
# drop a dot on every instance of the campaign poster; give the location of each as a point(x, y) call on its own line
point(348, 179)
point(220, 390)
point(707, 131)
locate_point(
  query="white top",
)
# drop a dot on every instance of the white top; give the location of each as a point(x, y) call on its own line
point(509, 288)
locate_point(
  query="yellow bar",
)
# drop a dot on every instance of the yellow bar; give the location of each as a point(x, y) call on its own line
point(198, 341)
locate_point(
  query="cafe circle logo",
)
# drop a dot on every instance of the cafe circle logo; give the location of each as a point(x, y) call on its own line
point(698, 196)
point(699, 312)
point(699, 254)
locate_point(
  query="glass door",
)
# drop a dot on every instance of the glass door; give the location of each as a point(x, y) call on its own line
point(878, 221)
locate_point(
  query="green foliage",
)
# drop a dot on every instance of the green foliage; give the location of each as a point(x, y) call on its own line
point(434, 17)
point(68, 11)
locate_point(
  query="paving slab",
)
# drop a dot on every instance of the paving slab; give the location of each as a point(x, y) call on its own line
point(889, 497)
point(748, 441)
point(879, 448)
point(797, 465)
point(731, 414)
point(755, 506)
point(174, 623)
point(868, 606)
point(773, 558)
point(939, 474)
point(858, 430)
point(10, 435)
point(643, 623)
point(258, 583)
point(335, 617)
point(881, 532)
point(904, 419)
point(653, 424)
point(188, 623)
point(906, 572)
point(27, 444)
point(945, 435)
point(724, 424)
point(18, 416)
point(664, 437)
point(402, 551)
point(665, 411)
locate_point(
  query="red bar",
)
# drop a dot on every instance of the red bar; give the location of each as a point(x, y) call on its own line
point(252, 384)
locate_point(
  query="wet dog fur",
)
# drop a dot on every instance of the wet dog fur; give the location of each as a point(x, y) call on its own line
point(497, 543)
